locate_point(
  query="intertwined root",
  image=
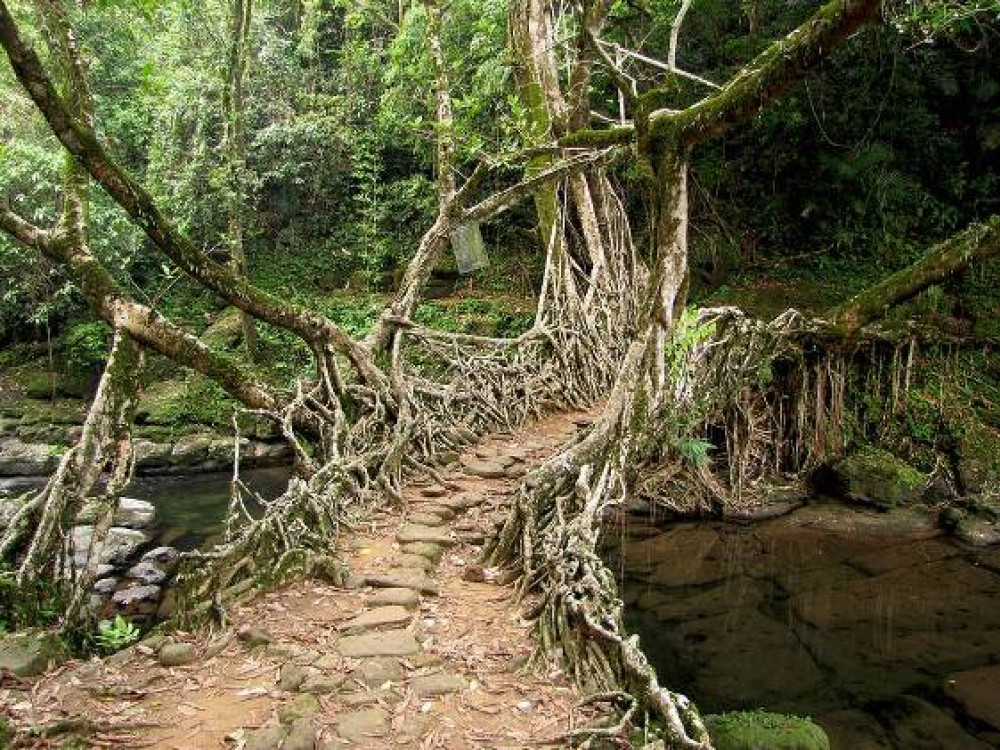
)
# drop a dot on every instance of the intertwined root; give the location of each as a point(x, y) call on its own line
point(772, 395)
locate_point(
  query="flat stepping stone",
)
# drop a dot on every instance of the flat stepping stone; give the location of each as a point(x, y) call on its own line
point(403, 579)
point(484, 469)
point(425, 549)
point(377, 671)
point(412, 532)
point(380, 617)
point(432, 685)
point(399, 597)
point(388, 643)
point(412, 561)
point(360, 726)
point(322, 684)
point(426, 519)
point(459, 503)
point(435, 490)
point(441, 511)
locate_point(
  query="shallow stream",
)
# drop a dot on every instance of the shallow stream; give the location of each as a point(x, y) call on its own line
point(883, 631)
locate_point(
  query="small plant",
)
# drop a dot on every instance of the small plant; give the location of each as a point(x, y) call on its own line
point(116, 635)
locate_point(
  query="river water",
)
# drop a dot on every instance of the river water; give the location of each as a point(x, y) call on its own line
point(883, 631)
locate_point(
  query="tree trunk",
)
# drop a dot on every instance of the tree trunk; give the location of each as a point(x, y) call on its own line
point(234, 147)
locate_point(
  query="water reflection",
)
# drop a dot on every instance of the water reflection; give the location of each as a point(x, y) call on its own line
point(861, 626)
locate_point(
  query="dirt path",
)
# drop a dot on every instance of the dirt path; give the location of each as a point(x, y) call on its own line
point(425, 652)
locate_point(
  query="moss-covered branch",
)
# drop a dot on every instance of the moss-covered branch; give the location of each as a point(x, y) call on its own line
point(973, 245)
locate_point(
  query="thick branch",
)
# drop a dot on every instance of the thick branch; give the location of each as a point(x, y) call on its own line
point(769, 75)
point(973, 245)
point(21, 230)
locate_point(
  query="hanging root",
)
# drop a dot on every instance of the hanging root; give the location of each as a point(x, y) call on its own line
point(35, 538)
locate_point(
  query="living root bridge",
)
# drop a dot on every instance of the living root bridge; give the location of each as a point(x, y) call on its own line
point(773, 399)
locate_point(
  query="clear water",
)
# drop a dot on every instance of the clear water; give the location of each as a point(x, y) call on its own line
point(859, 627)
point(190, 508)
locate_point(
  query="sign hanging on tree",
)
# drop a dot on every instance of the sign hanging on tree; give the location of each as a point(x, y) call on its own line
point(467, 244)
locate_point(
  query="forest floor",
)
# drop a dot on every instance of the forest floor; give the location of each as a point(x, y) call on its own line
point(425, 649)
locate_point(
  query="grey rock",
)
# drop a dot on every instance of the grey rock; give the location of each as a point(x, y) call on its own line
point(321, 684)
point(161, 555)
point(134, 514)
point(377, 671)
point(426, 519)
point(19, 458)
point(432, 685)
point(120, 545)
point(137, 600)
point(411, 532)
point(300, 707)
point(403, 579)
point(178, 654)
point(483, 468)
point(254, 636)
point(401, 597)
point(31, 652)
point(412, 561)
point(435, 490)
point(146, 573)
point(464, 501)
point(265, 738)
point(979, 532)
point(291, 676)
point(360, 726)
point(425, 549)
point(380, 617)
point(105, 586)
point(388, 643)
point(301, 736)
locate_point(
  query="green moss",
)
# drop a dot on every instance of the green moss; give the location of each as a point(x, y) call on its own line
point(878, 477)
point(760, 730)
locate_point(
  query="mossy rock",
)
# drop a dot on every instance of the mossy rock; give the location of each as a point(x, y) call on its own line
point(760, 730)
point(878, 478)
point(978, 450)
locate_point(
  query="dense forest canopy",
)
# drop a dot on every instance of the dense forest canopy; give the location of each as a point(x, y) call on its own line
point(310, 166)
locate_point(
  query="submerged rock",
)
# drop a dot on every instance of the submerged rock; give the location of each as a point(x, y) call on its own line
point(759, 730)
point(977, 692)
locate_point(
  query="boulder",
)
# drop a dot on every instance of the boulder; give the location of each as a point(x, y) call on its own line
point(879, 479)
point(177, 654)
point(137, 600)
point(18, 458)
point(301, 736)
point(120, 545)
point(146, 573)
point(106, 586)
point(161, 555)
point(759, 730)
point(30, 652)
point(411, 532)
point(265, 738)
point(403, 579)
point(915, 724)
point(133, 513)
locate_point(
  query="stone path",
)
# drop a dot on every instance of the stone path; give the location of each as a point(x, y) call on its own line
point(421, 649)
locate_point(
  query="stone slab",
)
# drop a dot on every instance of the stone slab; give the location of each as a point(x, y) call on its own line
point(379, 617)
point(412, 532)
point(387, 643)
point(403, 579)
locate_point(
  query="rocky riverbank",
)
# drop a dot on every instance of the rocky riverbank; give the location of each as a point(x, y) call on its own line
point(21, 456)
